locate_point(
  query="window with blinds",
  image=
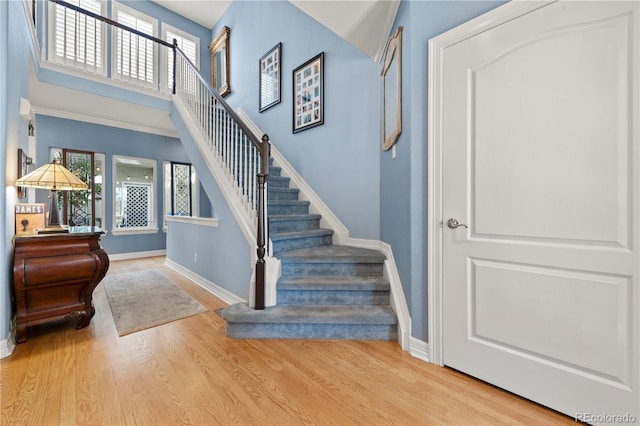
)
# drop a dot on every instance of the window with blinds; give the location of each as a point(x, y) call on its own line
point(78, 39)
point(189, 44)
point(134, 55)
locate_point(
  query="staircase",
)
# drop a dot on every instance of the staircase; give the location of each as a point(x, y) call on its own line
point(325, 291)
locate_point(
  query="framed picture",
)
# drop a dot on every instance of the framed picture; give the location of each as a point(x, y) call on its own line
point(308, 94)
point(24, 161)
point(270, 77)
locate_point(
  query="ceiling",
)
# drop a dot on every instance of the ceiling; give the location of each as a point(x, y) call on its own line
point(366, 24)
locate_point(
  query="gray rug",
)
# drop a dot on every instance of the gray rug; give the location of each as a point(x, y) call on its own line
point(145, 299)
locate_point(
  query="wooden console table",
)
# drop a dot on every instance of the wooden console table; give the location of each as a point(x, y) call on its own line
point(54, 276)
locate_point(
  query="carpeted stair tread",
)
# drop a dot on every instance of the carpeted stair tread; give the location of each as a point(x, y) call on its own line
point(307, 314)
point(300, 234)
point(323, 282)
point(287, 217)
point(289, 202)
point(333, 254)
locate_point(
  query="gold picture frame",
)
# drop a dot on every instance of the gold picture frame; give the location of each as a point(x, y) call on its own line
point(392, 91)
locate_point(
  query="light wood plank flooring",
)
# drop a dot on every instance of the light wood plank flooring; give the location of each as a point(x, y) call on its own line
point(188, 372)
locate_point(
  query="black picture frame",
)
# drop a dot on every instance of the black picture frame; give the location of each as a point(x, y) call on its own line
point(24, 161)
point(308, 94)
point(270, 78)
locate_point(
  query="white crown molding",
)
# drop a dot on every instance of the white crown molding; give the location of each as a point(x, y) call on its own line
point(221, 293)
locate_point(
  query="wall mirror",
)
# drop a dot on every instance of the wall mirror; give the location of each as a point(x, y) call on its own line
point(219, 48)
point(134, 187)
point(392, 91)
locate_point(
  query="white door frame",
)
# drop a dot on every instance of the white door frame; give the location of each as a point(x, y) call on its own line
point(437, 47)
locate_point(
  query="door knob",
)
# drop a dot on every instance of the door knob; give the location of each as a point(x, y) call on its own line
point(453, 223)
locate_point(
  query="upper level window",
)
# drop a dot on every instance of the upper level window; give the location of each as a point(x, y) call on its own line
point(134, 54)
point(188, 43)
point(77, 38)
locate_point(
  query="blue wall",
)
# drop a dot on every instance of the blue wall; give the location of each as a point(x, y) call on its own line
point(14, 63)
point(340, 159)
point(54, 132)
point(403, 207)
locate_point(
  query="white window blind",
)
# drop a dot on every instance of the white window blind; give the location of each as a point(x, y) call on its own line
point(189, 45)
point(134, 54)
point(78, 38)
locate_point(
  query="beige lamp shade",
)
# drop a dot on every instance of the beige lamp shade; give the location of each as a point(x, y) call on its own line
point(52, 176)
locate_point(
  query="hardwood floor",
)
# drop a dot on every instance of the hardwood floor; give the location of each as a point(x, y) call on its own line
point(189, 372)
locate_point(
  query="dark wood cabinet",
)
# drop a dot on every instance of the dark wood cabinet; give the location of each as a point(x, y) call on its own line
point(54, 276)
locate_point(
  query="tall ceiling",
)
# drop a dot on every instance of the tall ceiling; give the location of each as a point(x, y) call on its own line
point(366, 24)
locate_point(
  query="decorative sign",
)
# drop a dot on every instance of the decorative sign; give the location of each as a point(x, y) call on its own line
point(29, 218)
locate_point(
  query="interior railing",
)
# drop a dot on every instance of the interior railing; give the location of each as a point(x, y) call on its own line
point(240, 153)
point(243, 156)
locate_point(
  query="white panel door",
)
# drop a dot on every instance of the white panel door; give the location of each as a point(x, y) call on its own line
point(540, 161)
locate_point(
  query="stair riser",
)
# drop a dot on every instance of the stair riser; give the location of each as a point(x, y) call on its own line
point(275, 171)
point(332, 297)
point(312, 331)
point(299, 243)
point(288, 209)
point(276, 227)
point(279, 182)
point(282, 195)
point(332, 269)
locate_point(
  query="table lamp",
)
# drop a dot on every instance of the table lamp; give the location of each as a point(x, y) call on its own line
point(53, 176)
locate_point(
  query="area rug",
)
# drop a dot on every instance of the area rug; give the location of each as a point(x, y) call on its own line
point(145, 299)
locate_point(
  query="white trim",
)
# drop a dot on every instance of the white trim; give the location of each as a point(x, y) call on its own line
point(102, 121)
point(8, 345)
point(164, 57)
point(341, 236)
point(437, 47)
point(192, 220)
point(137, 255)
point(221, 293)
point(63, 61)
point(134, 231)
point(419, 349)
point(138, 15)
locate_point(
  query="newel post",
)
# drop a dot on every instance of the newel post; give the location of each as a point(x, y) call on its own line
point(263, 176)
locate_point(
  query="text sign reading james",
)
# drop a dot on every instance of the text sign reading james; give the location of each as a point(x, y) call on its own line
point(29, 217)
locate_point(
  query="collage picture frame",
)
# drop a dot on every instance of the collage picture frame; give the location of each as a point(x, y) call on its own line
point(270, 78)
point(308, 94)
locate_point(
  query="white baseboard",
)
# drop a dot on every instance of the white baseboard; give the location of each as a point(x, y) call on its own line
point(419, 349)
point(221, 293)
point(7, 345)
point(137, 255)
